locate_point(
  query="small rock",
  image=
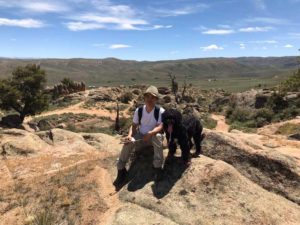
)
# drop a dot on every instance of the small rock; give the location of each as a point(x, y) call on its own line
point(271, 145)
point(234, 131)
point(11, 121)
point(295, 136)
point(61, 126)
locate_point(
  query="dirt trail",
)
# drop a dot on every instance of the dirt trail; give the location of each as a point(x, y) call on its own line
point(272, 128)
point(221, 124)
point(76, 109)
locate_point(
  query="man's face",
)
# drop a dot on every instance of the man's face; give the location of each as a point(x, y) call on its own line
point(150, 100)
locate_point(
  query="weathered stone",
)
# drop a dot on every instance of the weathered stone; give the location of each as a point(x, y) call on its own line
point(11, 121)
point(295, 137)
point(44, 124)
point(164, 90)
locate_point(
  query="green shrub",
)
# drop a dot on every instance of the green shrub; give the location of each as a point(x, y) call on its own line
point(292, 83)
point(261, 121)
point(277, 102)
point(290, 113)
point(126, 97)
point(240, 114)
point(208, 122)
point(288, 129)
point(243, 127)
point(229, 111)
point(263, 117)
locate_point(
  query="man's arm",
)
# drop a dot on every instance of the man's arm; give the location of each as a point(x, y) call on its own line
point(132, 130)
point(153, 132)
point(156, 129)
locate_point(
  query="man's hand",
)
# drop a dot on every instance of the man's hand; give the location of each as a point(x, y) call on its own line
point(126, 140)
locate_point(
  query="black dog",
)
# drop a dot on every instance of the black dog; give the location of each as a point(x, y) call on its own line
point(183, 128)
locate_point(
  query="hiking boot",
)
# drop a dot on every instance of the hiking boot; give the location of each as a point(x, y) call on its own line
point(121, 177)
point(158, 174)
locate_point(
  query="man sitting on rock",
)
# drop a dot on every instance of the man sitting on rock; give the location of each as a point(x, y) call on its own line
point(146, 130)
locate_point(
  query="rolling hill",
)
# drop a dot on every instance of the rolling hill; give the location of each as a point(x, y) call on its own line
point(112, 71)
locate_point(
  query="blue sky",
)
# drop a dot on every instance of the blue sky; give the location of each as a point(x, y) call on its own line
point(149, 30)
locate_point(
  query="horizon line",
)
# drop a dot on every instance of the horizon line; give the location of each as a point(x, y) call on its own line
point(87, 58)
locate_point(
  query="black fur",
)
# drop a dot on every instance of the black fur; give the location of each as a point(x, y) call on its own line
point(185, 127)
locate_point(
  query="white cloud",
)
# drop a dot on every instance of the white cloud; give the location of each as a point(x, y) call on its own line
point(288, 46)
point(156, 27)
point(255, 29)
point(115, 17)
point(44, 7)
point(79, 26)
point(218, 32)
point(264, 42)
point(87, 14)
point(35, 6)
point(118, 46)
point(107, 7)
point(242, 46)
point(211, 48)
point(224, 26)
point(181, 11)
point(95, 21)
point(268, 20)
point(101, 22)
point(110, 19)
point(25, 23)
point(231, 31)
point(268, 42)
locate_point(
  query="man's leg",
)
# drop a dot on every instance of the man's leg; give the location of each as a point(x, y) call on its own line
point(124, 157)
point(158, 159)
point(127, 150)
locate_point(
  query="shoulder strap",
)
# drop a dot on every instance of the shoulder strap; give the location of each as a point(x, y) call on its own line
point(156, 112)
point(140, 114)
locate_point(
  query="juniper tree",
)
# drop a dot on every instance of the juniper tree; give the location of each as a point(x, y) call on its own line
point(24, 91)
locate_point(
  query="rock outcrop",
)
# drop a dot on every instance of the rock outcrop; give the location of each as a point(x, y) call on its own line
point(268, 168)
point(69, 176)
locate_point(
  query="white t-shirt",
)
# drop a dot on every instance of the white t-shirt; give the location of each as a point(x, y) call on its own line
point(148, 121)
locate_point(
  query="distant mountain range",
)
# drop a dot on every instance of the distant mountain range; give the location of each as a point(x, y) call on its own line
point(111, 71)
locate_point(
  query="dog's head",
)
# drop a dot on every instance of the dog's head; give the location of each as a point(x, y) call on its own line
point(171, 118)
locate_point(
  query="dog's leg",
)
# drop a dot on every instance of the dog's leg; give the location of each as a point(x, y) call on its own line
point(197, 140)
point(185, 149)
point(172, 148)
point(191, 143)
point(198, 137)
